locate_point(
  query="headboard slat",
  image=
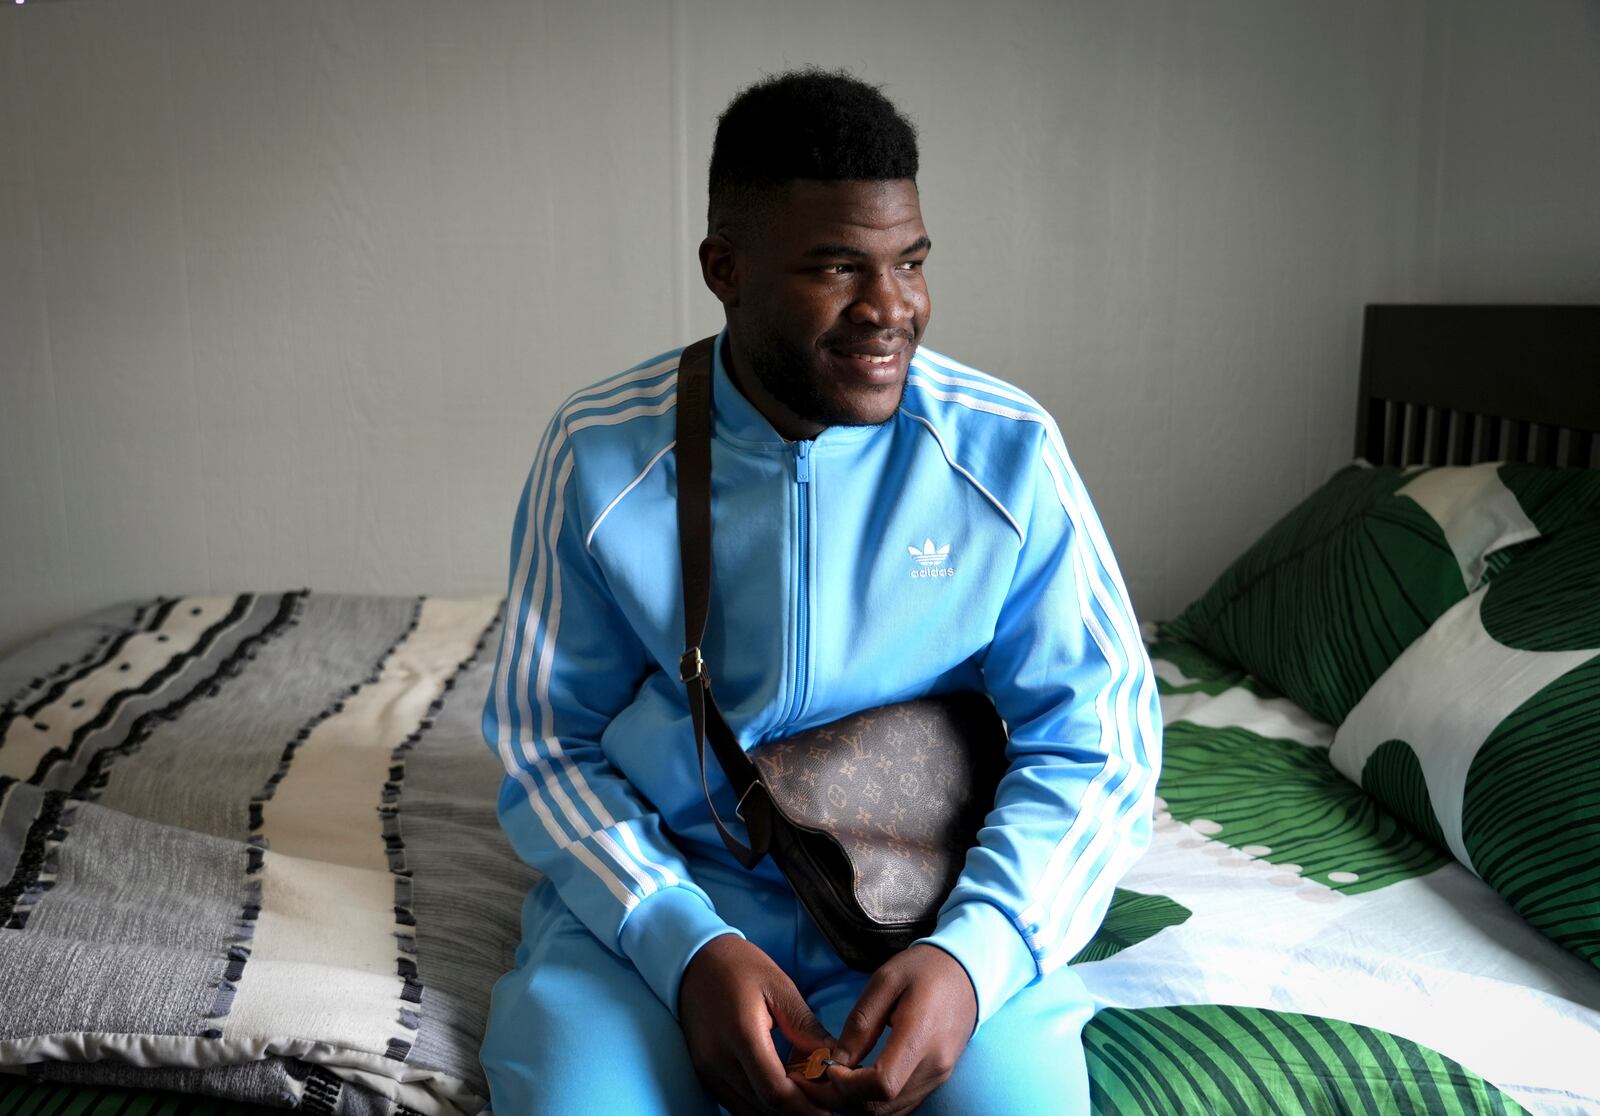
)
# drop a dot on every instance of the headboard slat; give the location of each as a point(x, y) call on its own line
point(1416, 427)
point(1393, 427)
point(1438, 435)
point(1517, 447)
point(1460, 437)
point(1490, 450)
point(1547, 444)
point(1581, 451)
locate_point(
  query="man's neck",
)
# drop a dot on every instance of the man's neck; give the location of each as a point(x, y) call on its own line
point(790, 426)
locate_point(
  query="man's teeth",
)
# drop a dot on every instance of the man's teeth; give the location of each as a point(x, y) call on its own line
point(871, 359)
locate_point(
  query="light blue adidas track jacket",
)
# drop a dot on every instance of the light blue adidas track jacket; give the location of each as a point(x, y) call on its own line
point(953, 547)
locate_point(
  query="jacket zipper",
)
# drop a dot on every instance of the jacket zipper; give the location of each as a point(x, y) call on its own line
point(802, 478)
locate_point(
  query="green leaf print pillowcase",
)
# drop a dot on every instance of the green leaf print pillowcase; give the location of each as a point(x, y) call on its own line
point(1485, 735)
point(1337, 589)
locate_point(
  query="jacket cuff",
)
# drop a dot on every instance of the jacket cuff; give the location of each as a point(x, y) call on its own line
point(991, 949)
point(664, 932)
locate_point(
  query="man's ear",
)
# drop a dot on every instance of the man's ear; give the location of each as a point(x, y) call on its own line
point(719, 270)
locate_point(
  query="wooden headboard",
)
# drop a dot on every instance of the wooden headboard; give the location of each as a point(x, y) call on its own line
point(1456, 385)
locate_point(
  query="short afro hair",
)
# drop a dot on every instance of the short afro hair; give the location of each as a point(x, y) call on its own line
point(810, 123)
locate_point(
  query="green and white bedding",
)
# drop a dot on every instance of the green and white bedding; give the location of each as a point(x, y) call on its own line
point(1447, 620)
point(1289, 894)
point(248, 847)
point(1485, 735)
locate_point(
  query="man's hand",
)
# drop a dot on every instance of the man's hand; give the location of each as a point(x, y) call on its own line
point(927, 1001)
point(731, 997)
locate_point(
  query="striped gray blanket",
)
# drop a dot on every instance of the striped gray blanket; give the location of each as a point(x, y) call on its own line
point(248, 848)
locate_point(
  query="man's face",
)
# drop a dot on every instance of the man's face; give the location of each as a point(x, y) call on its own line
point(827, 301)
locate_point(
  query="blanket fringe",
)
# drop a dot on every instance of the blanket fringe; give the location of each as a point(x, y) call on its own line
point(411, 988)
point(257, 845)
point(39, 864)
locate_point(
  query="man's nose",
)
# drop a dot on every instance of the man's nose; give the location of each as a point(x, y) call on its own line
point(882, 301)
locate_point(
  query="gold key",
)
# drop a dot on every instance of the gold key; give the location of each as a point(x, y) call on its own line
point(818, 1063)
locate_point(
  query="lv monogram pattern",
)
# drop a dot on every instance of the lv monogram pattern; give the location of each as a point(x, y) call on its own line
point(904, 788)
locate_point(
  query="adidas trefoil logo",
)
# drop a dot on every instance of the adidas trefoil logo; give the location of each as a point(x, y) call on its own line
point(932, 561)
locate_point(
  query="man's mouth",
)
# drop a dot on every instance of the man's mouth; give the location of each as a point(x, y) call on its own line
point(878, 365)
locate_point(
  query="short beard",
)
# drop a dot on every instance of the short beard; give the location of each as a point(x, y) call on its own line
point(784, 372)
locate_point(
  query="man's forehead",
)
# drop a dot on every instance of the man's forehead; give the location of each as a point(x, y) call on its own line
point(883, 205)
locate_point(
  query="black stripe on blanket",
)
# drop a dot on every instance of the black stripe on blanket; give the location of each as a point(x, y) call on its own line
point(35, 870)
point(99, 769)
point(157, 679)
point(395, 848)
point(322, 1092)
point(51, 685)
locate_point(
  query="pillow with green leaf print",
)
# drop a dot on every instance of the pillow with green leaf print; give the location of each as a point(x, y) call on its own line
point(1339, 587)
point(1484, 735)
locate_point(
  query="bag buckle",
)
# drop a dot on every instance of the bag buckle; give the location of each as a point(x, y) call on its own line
point(691, 666)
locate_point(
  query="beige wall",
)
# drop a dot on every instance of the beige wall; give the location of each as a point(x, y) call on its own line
point(288, 289)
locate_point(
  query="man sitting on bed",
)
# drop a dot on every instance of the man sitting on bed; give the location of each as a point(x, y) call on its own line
point(887, 523)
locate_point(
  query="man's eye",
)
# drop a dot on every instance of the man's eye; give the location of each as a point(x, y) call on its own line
point(913, 265)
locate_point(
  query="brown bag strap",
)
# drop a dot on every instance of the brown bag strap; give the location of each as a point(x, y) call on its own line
point(693, 453)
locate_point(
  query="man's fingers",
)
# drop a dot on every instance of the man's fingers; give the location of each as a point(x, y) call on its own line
point(900, 1058)
point(860, 1090)
point(914, 1060)
point(769, 1080)
point(733, 996)
point(797, 1021)
point(868, 1018)
point(789, 1098)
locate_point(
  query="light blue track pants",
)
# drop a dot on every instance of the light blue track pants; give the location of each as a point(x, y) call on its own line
point(575, 1029)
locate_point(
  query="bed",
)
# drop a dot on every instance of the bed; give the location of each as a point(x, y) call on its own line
point(249, 857)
